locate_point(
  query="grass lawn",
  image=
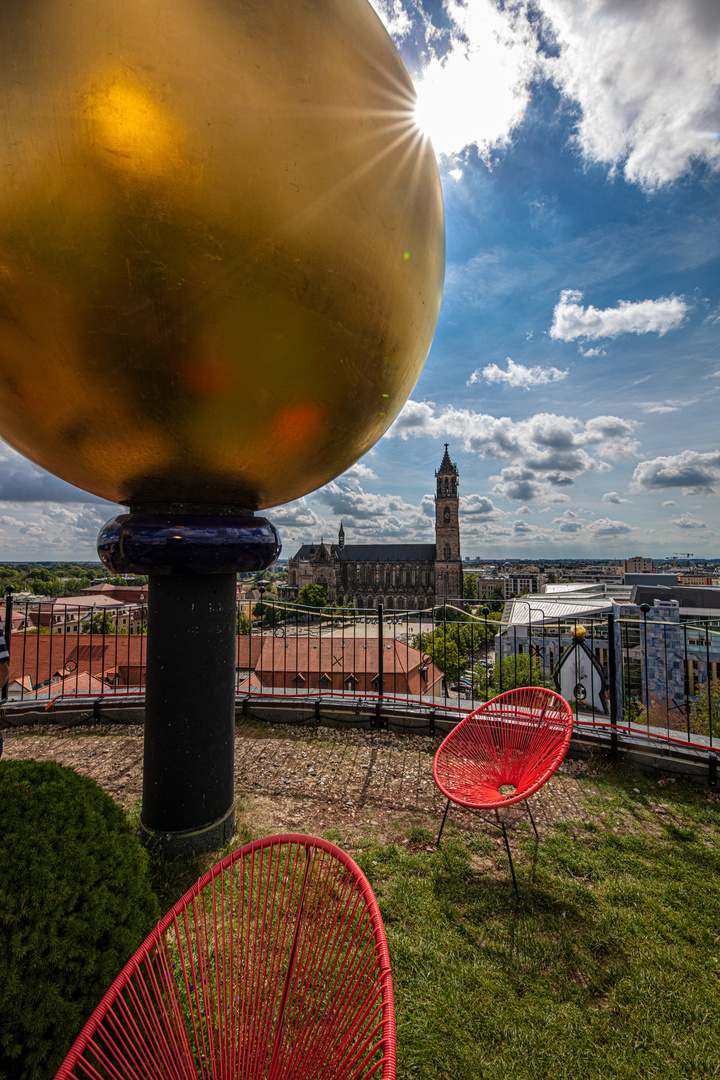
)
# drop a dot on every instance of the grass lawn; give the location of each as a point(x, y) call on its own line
point(607, 965)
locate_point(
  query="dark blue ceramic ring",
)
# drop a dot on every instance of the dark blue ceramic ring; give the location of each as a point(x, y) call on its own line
point(165, 544)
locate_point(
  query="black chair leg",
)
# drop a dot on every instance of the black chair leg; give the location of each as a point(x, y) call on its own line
point(507, 848)
point(537, 834)
point(437, 842)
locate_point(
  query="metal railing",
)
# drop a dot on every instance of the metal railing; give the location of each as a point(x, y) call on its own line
point(661, 678)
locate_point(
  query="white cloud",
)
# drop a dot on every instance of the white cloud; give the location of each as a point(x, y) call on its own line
point(295, 517)
point(517, 375)
point(36, 531)
point(347, 499)
point(643, 77)
point(476, 91)
point(478, 506)
point(547, 451)
point(571, 320)
point(668, 502)
point(607, 527)
point(394, 16)
point(522, 528)
point(359, 472)
point(569, 522)
point(647, 80)
point(650, 408)
point(687, 521)
point(613, 497)
point(691, 470)
point(522, 485)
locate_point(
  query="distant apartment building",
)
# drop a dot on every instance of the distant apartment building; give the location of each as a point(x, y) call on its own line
point(638, 565)
point(121, 607)
point(612, 572)
point(697, 578)
point(509, 585)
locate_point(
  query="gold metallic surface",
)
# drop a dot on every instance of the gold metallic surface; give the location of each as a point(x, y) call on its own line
point(221, 243)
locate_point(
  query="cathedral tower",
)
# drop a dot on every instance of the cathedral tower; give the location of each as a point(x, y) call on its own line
point(448, 565)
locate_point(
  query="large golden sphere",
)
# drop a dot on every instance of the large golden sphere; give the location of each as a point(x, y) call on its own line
point(221, 243)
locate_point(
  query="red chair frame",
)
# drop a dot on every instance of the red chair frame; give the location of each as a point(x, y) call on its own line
point(274, 965)
point(517, 739)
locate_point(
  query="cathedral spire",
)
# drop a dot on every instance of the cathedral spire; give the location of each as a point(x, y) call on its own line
point(447, 477)
point(448, 567)
point(446, 465)
point(341, 536)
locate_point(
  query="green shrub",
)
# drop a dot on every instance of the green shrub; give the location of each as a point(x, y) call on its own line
point(515, 670)
point(75, 903)
point(705, 710)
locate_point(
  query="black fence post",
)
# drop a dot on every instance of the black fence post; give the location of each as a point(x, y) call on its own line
point(686, 682)
point(612, 680)
point(381, 666)
point(8, 635)
point(708, 682)
point(486, 612)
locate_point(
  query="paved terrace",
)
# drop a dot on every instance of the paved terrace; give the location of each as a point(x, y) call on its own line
point(312, 780)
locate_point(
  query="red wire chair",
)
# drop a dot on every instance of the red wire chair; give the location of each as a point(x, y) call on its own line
point(515, 741)
point(274, 965)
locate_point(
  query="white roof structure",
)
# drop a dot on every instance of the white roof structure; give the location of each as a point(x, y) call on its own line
point(538, 608)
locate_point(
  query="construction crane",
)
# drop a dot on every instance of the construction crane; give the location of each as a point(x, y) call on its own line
point(680, 555)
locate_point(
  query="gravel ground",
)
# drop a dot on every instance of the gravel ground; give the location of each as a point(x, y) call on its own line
point(308, 779)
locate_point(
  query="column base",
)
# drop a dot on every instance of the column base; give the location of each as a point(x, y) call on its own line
point(188, 842)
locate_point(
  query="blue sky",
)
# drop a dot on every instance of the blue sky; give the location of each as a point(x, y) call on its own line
point(575, 370)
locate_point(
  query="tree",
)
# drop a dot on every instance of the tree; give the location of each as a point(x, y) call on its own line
point(448, 613)
point(313, 596)
point(470, 586)
point(337, 611)
point(443, 652)
point(453, 644)
point(705, 709)
point(243, 623)
point(518, 669)
point(99, 623)
point(269, 614)
point(497, 599)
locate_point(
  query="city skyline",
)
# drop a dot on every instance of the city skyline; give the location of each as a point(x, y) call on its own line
point(575, 371)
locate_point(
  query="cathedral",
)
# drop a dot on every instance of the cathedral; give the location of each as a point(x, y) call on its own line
point(401, 577)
